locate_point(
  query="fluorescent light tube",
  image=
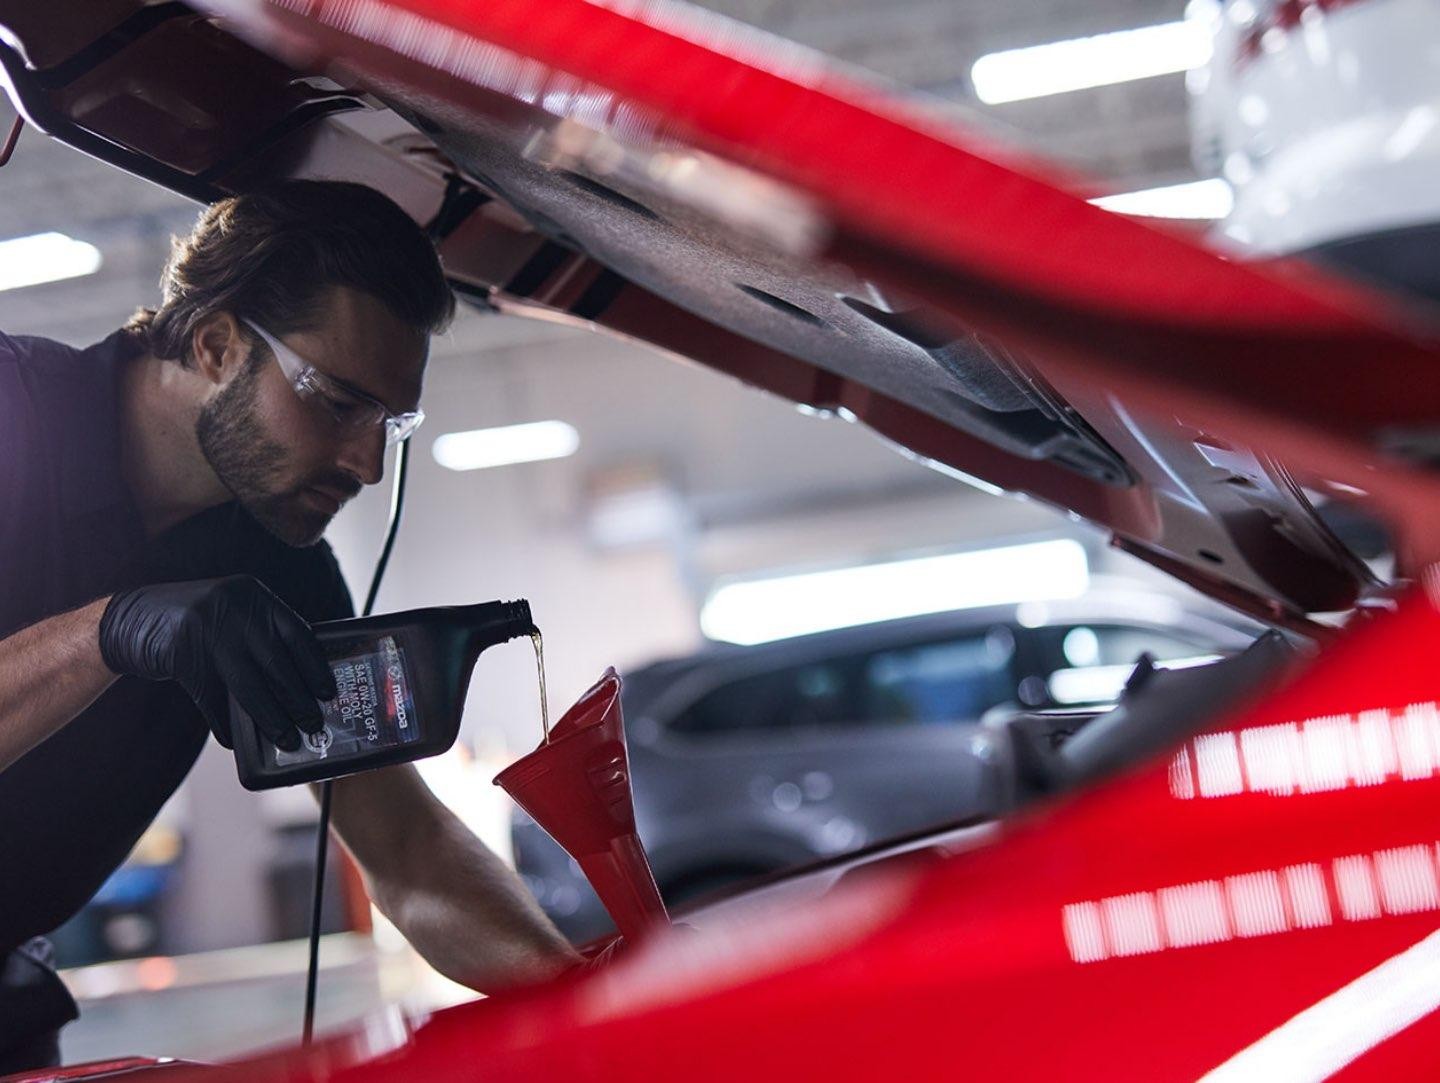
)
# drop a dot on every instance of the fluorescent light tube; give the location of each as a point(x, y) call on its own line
point(45, 257)
point(1080, 63)
point(479, 449)
point(1103, 684)
point(759, 610)
point(1091, 684)
point(1205, 199)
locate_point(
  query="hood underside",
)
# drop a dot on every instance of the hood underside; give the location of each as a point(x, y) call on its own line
point(973, 314)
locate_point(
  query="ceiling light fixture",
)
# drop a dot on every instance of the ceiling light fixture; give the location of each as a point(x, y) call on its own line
point(1204, 199)
point(1081, 63)
point(45, 257)
point(1103, 684)
point(480, 449)
point(759, 610)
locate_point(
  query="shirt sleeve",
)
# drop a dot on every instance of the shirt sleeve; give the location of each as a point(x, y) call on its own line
point(22, 505)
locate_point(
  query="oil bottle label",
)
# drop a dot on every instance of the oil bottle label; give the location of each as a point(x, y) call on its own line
point(374, 710)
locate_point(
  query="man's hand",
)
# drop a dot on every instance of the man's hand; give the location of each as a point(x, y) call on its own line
point(222, 637)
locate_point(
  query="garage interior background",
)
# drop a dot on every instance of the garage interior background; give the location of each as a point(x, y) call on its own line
point(681, 478)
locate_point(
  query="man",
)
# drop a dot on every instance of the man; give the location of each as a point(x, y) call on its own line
point(162, 499)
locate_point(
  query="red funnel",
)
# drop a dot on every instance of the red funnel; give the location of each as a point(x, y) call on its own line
point(577, 787)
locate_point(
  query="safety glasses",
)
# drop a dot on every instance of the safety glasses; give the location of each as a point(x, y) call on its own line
point(352, 411)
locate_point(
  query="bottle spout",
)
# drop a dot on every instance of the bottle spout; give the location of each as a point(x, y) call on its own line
point(519, 618)
point(577, 787)
point(497, 622)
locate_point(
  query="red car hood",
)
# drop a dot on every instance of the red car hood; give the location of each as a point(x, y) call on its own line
point(733, 199)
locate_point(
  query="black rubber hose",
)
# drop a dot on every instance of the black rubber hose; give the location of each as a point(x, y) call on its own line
point(317, 898)
point(322, 836)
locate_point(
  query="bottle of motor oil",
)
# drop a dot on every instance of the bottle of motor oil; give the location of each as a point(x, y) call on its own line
point(401, 681)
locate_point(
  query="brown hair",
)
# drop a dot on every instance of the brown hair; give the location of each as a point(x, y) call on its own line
point(269, 255)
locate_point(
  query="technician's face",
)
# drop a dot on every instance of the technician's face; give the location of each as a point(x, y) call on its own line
point(284, 456)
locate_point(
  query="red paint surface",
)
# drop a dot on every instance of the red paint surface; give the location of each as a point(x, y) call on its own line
point(117, 1068)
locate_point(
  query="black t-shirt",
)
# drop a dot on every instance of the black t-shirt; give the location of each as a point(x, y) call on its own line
point(73, 807)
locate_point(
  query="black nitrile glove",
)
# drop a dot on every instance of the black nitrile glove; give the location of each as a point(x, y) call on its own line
point(222, 637)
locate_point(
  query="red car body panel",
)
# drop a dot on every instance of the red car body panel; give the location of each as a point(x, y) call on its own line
point(124, 1068)
point(1259, 906)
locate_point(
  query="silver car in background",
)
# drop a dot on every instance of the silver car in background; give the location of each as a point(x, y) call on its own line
point(751, 760)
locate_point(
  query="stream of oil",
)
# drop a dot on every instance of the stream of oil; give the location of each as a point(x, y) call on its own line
point(539, 645)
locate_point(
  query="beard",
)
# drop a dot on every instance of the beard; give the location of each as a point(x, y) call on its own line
point(251, 464)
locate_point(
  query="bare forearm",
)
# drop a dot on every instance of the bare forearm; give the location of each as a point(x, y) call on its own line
point(49, 673)
point(458, 904)
point(471, 918)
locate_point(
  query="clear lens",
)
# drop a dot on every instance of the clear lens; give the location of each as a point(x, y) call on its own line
point(347, 409)
point(402, 427)
point(351, 413)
